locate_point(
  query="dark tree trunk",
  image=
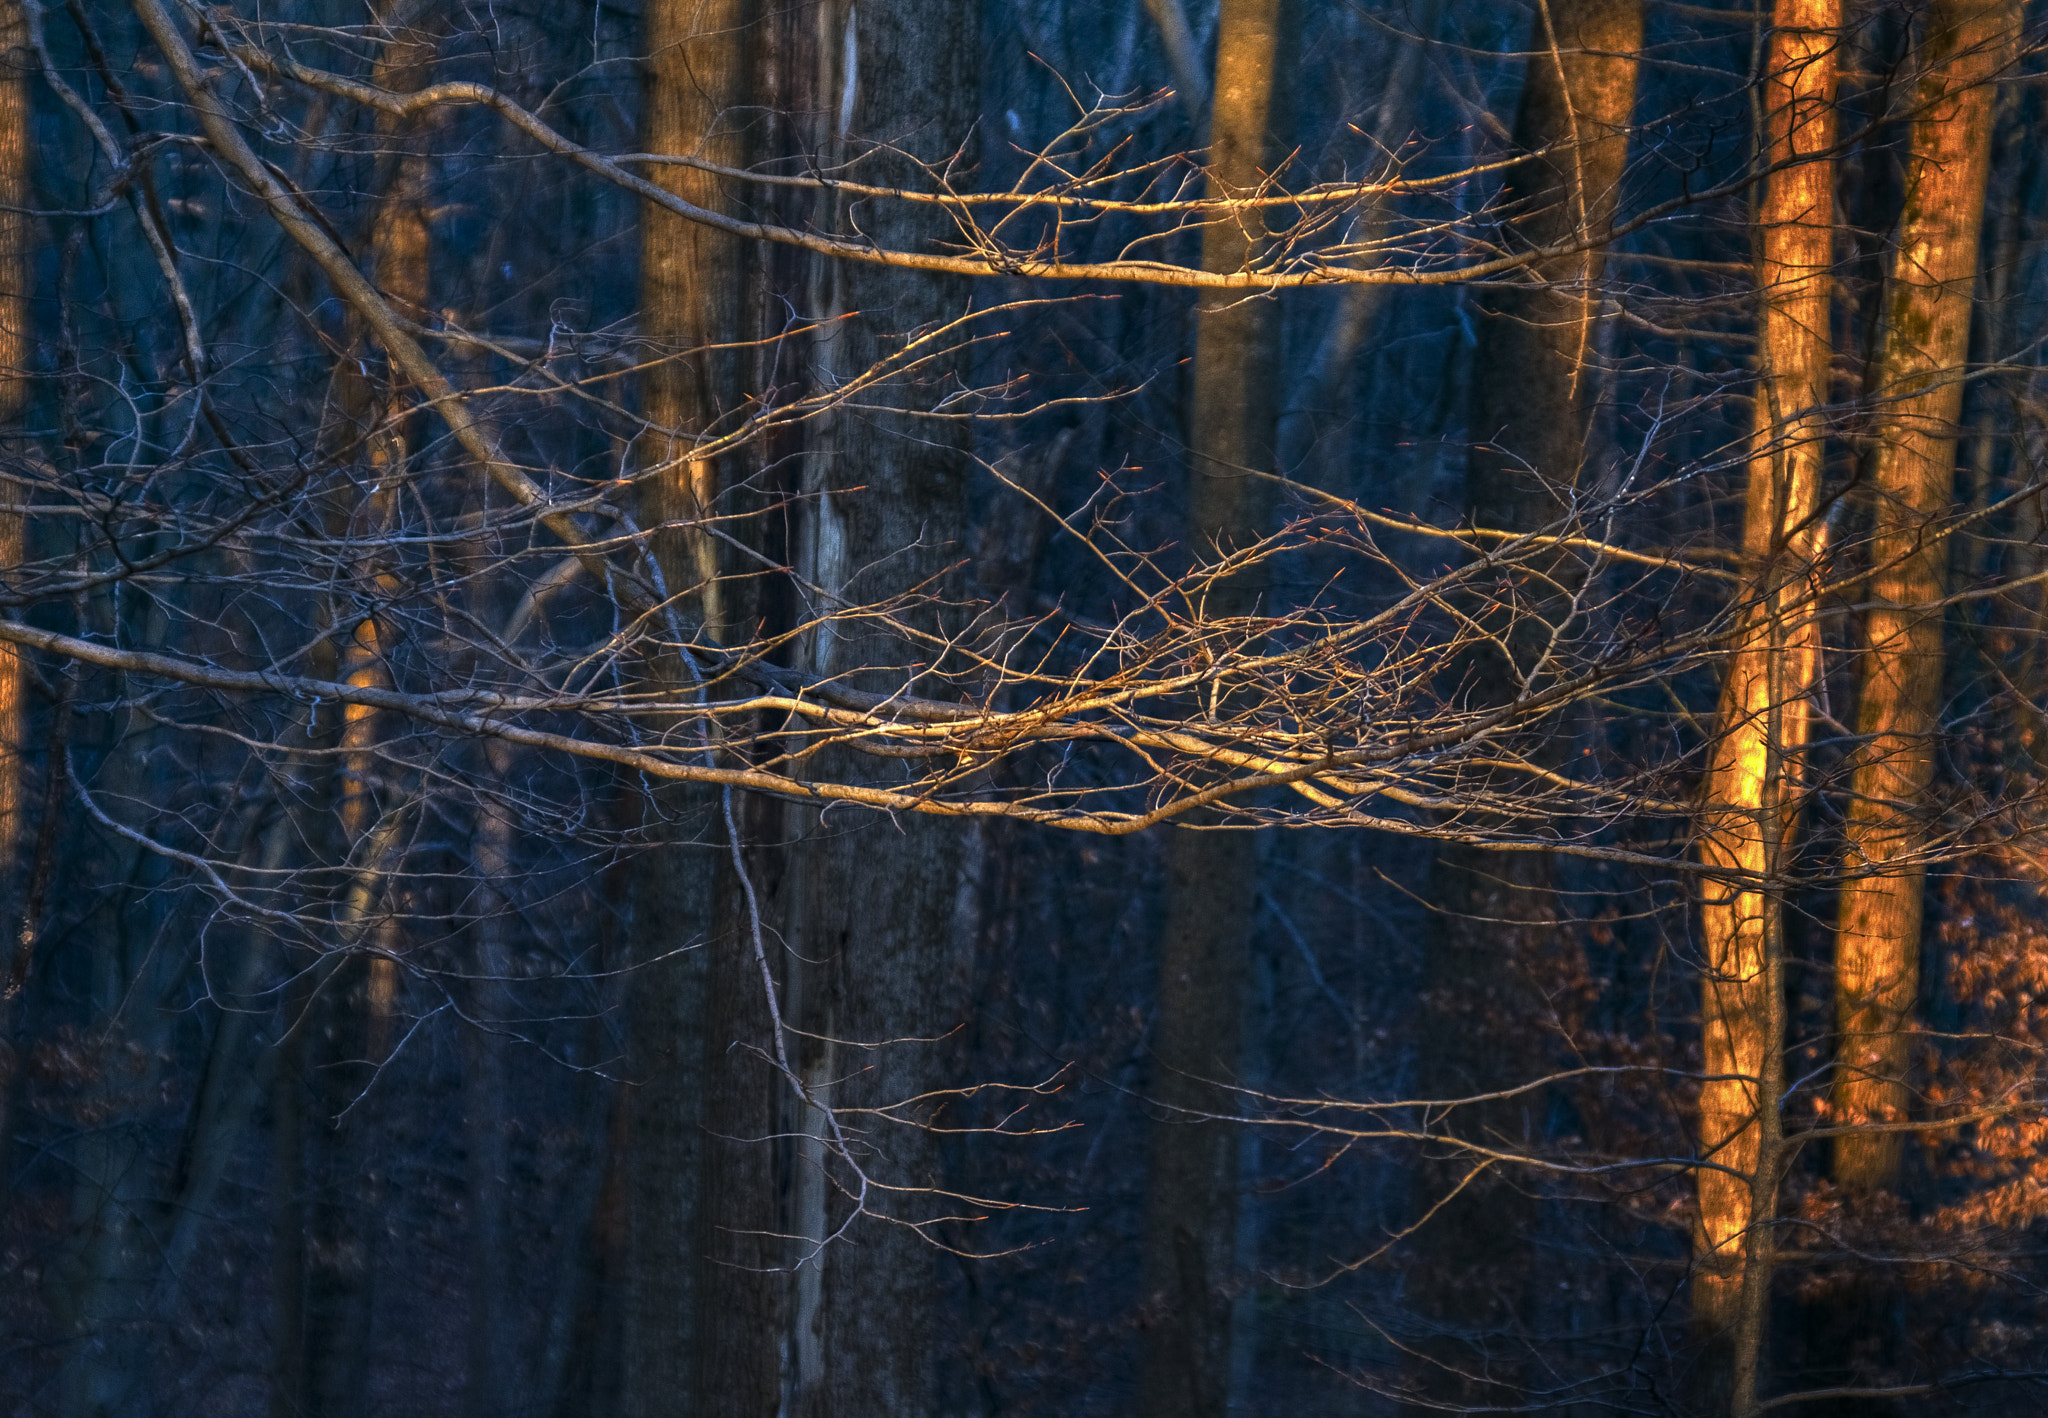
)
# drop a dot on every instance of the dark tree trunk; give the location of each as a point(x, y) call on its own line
point(496, 1359)
point(878, 938)
point(16, 233)
point(1484, 1023)
point(1190, 1240)
point(326, 1226)
point(342, 1025)
point(18, 910)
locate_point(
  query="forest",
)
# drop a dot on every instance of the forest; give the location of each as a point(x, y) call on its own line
point(1181, 708)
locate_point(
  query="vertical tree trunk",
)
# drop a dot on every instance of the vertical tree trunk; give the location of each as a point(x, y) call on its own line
point(1495, 922)
point(97, 1283)
point(19, 912)
point(879, 940)
point(1927, 337)
point(1319, 391)
point(288, 1110)
point(1751, 789)
point(1533, 370)
point(1171, 16)
point(232, 1084)
point(495, 1358)
point(1212, 877)
point(698, 1313)
point(345, 1033)
point(399, 256)
point(1531, 380)
point(324, 1233)
point(695, 85)
point(16, 231)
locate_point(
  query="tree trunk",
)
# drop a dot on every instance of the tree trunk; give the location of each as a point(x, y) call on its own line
point(495, 1358)
point(325, 1223)
point(16, 232)
point(1495, 920)
point(18, 911)
point(1912, 477)
point(1534, 368)
point(1171, 16)
point(1212, 877)
point(879, 938)
point(400, 252)
point(699, 1311)
point(98, 1283)
point(343, 1022)
point(1752, 781)
point(1321, 391)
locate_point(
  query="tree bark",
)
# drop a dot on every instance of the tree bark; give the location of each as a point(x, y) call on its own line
point(877, 919)
point(343, 1023)
point(1321, 391)
point(1752, 782)
point(1171, 16)
point(495, 1358)
point(400, 255)
point(1495, 922)
point(16, 234)
point(1912, 475)
point(1212, 876)
point(19, 915)
point(98, 1283)
point(700, 1319)
point(1534, 368)
point(325, 1230)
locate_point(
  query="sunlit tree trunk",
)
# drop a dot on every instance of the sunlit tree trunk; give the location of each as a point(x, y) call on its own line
point(1212, 877)
point(1752, 784)
point(399, 253)
point(696, 82)
point(700, 1328)
point(875, 915)
point(1912, 479)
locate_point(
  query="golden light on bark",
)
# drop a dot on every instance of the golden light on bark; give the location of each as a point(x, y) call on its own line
point(689, 275)
point(1927, 338)
point(1752, 785)
point(400, 248)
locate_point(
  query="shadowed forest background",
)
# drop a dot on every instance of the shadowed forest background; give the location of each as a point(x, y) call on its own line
point(1028, 707)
